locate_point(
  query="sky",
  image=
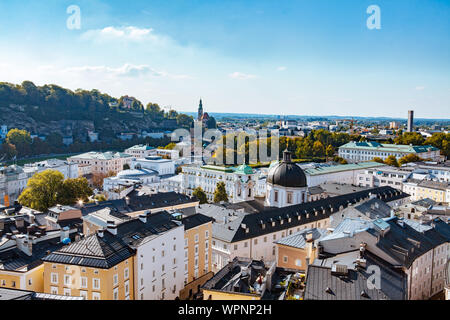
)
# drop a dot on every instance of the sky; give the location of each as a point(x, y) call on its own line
point(282, 57)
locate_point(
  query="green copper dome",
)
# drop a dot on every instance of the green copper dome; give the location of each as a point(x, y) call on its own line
point(244, 169)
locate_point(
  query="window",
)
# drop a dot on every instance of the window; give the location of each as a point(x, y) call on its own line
point(276, 196)
point(207, 234)
point(196, 249)
point(206, 245)
point(162, 253)
point(298, 262)
point(126, 273)
point(67, 280)
point(54, 278)
point(142, 266)
point(163, 283)
point(256, 241)
point(174, 260)
point(245, 244)
point(83, 282)
point(153, 288)
point(196, 238)
point(186, 242)
point(116, 294)
point(116, 279)
point(54, 290)
point(289, 197)
point(95, 283)
point(235, 247)
point(30, 282)
point(162, 268)
point(84, 294)
point(95, 296)
point(67, 292)
point(285, 259)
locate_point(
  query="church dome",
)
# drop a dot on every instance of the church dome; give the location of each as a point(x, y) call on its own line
point(287, 174)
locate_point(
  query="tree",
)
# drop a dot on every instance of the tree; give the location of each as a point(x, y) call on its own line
point(21, 139)
point(126, 166)
point(407, 138)
point(200, 195)
point(42, 190)
point(377, 159)
point(100, 197)
point(97, 179)
point(391, 161)
point(9, 150)
point(329, 151)
point(318, 149)
point(74, 190)
point(412, 157)
point(220, 194)
point(184, 121)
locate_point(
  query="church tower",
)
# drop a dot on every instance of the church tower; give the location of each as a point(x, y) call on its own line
point(200, 111)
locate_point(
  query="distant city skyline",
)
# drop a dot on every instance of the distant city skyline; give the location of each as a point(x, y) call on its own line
point(275, 58)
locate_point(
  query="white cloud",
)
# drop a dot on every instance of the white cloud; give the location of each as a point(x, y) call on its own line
point(130, 33)
point(241, 76)
point(420, 88)
point(127, 70)
point(281, 68)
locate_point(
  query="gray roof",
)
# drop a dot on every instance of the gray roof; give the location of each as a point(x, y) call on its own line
point(322, 284)
point(15, 294)
point(298, 239)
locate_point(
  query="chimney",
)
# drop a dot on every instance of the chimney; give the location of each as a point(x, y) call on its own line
point(111, 227)
point(20, 222)
point(100, 233)
point(143, 217)
point(127, 200)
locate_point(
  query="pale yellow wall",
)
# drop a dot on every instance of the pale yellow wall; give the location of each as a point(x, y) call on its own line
point(105, 275)
point(292, 255)
point(21, 279)
point(190, 236)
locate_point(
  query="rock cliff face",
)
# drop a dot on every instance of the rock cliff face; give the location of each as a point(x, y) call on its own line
point(16, 117)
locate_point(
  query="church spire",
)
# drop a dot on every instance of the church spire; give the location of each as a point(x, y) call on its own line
point(200, 110)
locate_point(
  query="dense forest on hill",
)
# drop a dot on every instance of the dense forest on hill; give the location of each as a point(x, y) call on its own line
point(52, 102)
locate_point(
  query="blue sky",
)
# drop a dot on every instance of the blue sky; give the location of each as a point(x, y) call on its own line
point(274, 57)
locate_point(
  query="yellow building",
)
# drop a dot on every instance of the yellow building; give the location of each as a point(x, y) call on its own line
point(98, 267)
point(20, 258)
point(197, 253)
point(297, 251)
point(433, 190)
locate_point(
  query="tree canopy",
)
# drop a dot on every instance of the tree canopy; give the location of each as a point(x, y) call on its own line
point(220, 194)
point(48, 188)
point(200, 195)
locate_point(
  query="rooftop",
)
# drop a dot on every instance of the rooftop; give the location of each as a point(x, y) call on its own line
point(342, 167)
point(388, 147)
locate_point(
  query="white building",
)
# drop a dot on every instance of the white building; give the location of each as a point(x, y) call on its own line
point(318, 174)
point(240, 182)
point(119, 186)
point(383, 176)
point(158, 164)
point(367, 151)
point(159, 260)
point(13, 180)
point(140, 151)
point(68, 169)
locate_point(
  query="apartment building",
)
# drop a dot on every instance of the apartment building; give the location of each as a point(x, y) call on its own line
point(13, 180)
point(103, 162)
point(423, 189)
point(98, 267)
point(367, 151)
point(419, 250)
point(197, 253)
point(140, 151)
point(383, 176)
point(68, 169)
